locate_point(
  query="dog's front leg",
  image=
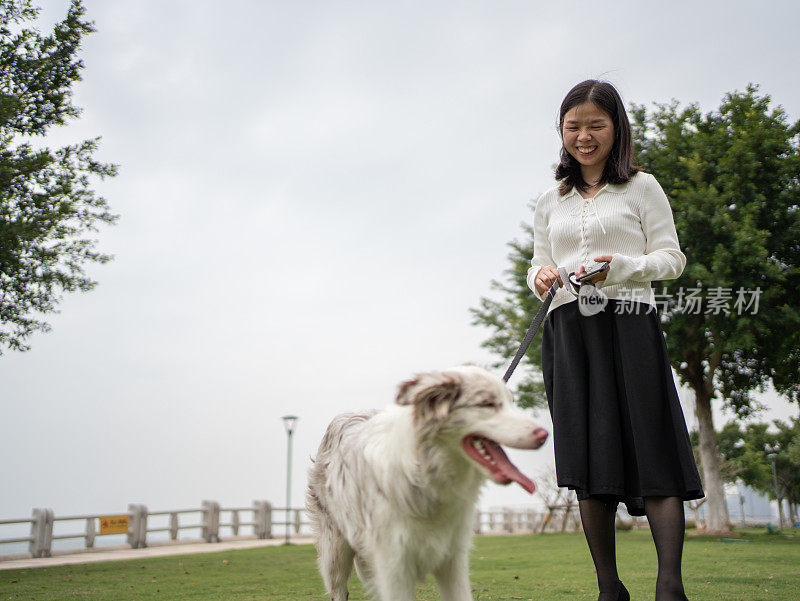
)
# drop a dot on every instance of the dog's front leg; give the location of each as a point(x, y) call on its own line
point(453, 578)
point(393, 582)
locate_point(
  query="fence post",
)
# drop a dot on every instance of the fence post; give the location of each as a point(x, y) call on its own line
point(41, 533)
point(90, 532)
point(137, 529)
point(262, 516)
point(528, 520)
point(143, 526)
point(508, 520)
point(133, 525)
point(37, 529)
point(210, 521)
point(173, 525)
point(235, 522)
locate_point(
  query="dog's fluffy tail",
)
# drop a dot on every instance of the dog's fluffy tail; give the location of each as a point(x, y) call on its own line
point(318, 472)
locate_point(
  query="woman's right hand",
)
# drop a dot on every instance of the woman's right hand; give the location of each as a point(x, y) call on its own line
point(545, 278)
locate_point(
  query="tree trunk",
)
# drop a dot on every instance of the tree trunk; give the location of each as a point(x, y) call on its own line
point(717, 521)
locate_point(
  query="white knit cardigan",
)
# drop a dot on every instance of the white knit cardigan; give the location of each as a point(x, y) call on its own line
point(631, 221)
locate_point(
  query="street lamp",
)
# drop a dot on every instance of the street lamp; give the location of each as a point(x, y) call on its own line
point(772, 456)
point(289, 422)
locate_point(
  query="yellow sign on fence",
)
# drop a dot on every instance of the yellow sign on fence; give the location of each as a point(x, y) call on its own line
point(114, 524)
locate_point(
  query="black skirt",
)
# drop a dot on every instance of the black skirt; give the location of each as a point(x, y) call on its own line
point(618, 428)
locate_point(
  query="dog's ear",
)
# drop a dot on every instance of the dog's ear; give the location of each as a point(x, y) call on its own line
point(431, 394)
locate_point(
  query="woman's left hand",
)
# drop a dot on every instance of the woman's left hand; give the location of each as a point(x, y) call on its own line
point(600, 276)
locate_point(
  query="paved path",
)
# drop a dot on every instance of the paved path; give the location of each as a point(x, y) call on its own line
point(155, 551)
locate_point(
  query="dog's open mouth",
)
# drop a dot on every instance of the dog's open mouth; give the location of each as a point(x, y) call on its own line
point(491, 456)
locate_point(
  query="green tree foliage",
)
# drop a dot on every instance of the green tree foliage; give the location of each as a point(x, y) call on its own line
point(733, 180)
point(47, 206)
point(508, 321)
point(728, 438)
point(744, 450)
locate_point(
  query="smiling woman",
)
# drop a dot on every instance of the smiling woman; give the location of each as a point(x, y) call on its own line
point(588, 135)
point(597, 142)
point(618, 428)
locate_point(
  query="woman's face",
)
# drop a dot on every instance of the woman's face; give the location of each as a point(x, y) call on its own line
point(588, 135)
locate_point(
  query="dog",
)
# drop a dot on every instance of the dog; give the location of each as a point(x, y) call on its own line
point(395, 491)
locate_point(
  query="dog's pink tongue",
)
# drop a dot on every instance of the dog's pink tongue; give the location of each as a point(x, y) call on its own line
point(490, 455)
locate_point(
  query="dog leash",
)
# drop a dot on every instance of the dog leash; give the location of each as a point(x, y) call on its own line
point(542, 313)
point(535, 323)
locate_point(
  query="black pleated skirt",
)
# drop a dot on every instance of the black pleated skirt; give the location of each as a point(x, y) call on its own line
point(618, 429)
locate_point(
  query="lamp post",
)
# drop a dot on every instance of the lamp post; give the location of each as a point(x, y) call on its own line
point(772, 456)
point(289, 422)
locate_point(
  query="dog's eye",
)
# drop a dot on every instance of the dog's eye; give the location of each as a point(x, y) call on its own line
point(489, 404)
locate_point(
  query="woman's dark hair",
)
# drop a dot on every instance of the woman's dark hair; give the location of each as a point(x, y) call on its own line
point(620, 166)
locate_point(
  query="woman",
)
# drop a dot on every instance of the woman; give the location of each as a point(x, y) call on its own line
point(618, 429)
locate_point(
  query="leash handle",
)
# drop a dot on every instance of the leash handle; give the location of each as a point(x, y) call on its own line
point(534, 327)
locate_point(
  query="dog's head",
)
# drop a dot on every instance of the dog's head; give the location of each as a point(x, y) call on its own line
point(471, 405)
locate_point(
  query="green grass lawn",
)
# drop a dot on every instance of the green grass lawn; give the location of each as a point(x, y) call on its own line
point(552, 567)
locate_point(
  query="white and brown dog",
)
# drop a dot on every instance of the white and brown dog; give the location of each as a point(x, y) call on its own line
point(395, 491)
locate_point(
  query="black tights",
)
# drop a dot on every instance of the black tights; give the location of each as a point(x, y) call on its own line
point(665, 515)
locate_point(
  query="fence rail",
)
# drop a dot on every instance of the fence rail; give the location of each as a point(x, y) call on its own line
point(260, 517)
point(211, 519)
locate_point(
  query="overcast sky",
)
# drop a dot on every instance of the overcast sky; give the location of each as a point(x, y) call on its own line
point(312, 196)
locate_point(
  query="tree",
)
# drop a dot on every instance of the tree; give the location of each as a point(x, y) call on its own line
point(47, 206)
point(745, 451)
point(729, 441)
point(789, 471)
point(733, 180)
point(509, 320)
